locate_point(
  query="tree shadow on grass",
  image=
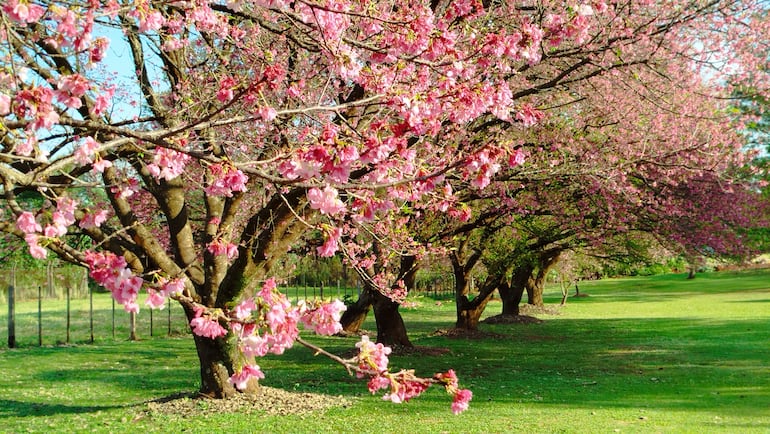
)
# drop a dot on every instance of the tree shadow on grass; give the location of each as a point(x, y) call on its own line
point(13, 408)
point(681, 364)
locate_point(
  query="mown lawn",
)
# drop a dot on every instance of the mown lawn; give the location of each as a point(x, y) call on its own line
point(655, 354)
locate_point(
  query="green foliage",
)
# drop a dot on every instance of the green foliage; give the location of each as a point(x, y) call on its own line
point(316, 271)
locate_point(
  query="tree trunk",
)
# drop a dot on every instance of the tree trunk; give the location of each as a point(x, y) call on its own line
point(512, 294)
point(536, 282)
point(355, 315)
point(469, 311)
point(216, 366)
point(390, 326)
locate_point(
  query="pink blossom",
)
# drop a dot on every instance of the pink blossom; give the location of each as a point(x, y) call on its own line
point(172, 287)
point(326, 200)
point(378, 382)
point(5, 104)
point(325, 320)
point(221, 247)
point(101, 164)
point(244, 308)
point(102, 101)
point(155, 300)
point(240, 379)
point(529, 115)
point(372, 357)
point(85, 153)
point(26, 223)
point(517, 158)
point(23, 11)
point(98, 48)
point(26, 147)
point(36, 250)
point(404, 390)
point(65, 211)
point(205, 326)
point(253, 345)
point(461, 400)
point(93, 219)
point(167, 164)
point(267, 113)
point(331, 244)
point(53, 231)
point(226, 180)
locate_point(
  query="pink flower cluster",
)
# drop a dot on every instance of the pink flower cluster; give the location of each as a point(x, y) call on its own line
point(460, 397)
point(61, 219)
point(372, 358)
point(88, 153)
point(205, 325)
point(240, 379)
point(324, 319)
point(167, 164)
point(23, 11)
point(110, 271)
point(225, 180)
point(331, 243)
point(372, 361)
point(221, 247)
point(327, 200)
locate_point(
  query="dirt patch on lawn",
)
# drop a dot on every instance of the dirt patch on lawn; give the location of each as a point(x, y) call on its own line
point(529, 309)
point(512, 319)
point(268, 400)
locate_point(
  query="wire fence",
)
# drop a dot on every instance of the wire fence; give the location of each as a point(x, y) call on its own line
point(60, 306)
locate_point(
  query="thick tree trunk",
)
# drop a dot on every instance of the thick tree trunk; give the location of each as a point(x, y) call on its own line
point(216, 366)
point(355, 315)
point(390, 325)
point(512, 294)
point(469, 311)
point(536, 282)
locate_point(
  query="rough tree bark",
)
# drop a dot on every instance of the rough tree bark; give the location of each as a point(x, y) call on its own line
point(469, 311)
point(390, 325)
point(355, 315)
point(511, 294)
point(535, 284)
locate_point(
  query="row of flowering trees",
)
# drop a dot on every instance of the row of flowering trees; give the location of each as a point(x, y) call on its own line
point(181, 148)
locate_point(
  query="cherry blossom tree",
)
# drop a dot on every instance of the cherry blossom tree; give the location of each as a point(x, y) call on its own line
point(183, 147)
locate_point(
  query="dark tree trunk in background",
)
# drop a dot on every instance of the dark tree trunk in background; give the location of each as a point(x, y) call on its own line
point(536, 282)
point(469, 311)
point(355, 315)
point(511, 294)
point(390, 325)
point(391, 330)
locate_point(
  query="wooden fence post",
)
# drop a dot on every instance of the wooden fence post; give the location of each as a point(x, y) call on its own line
point(11, 317)
point(91, 310)
point(39, 315)
point(169, 318)
point(68, 314)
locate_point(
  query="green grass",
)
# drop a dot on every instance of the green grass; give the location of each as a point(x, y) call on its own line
point(655, 354)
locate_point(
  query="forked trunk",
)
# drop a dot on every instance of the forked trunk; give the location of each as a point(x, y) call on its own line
point(355, 315)
point(390, 326)
point(511, 297)
point(536, 282)
point(511, 294)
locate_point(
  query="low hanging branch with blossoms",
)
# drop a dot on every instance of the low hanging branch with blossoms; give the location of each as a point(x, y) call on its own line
point(269, 324)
